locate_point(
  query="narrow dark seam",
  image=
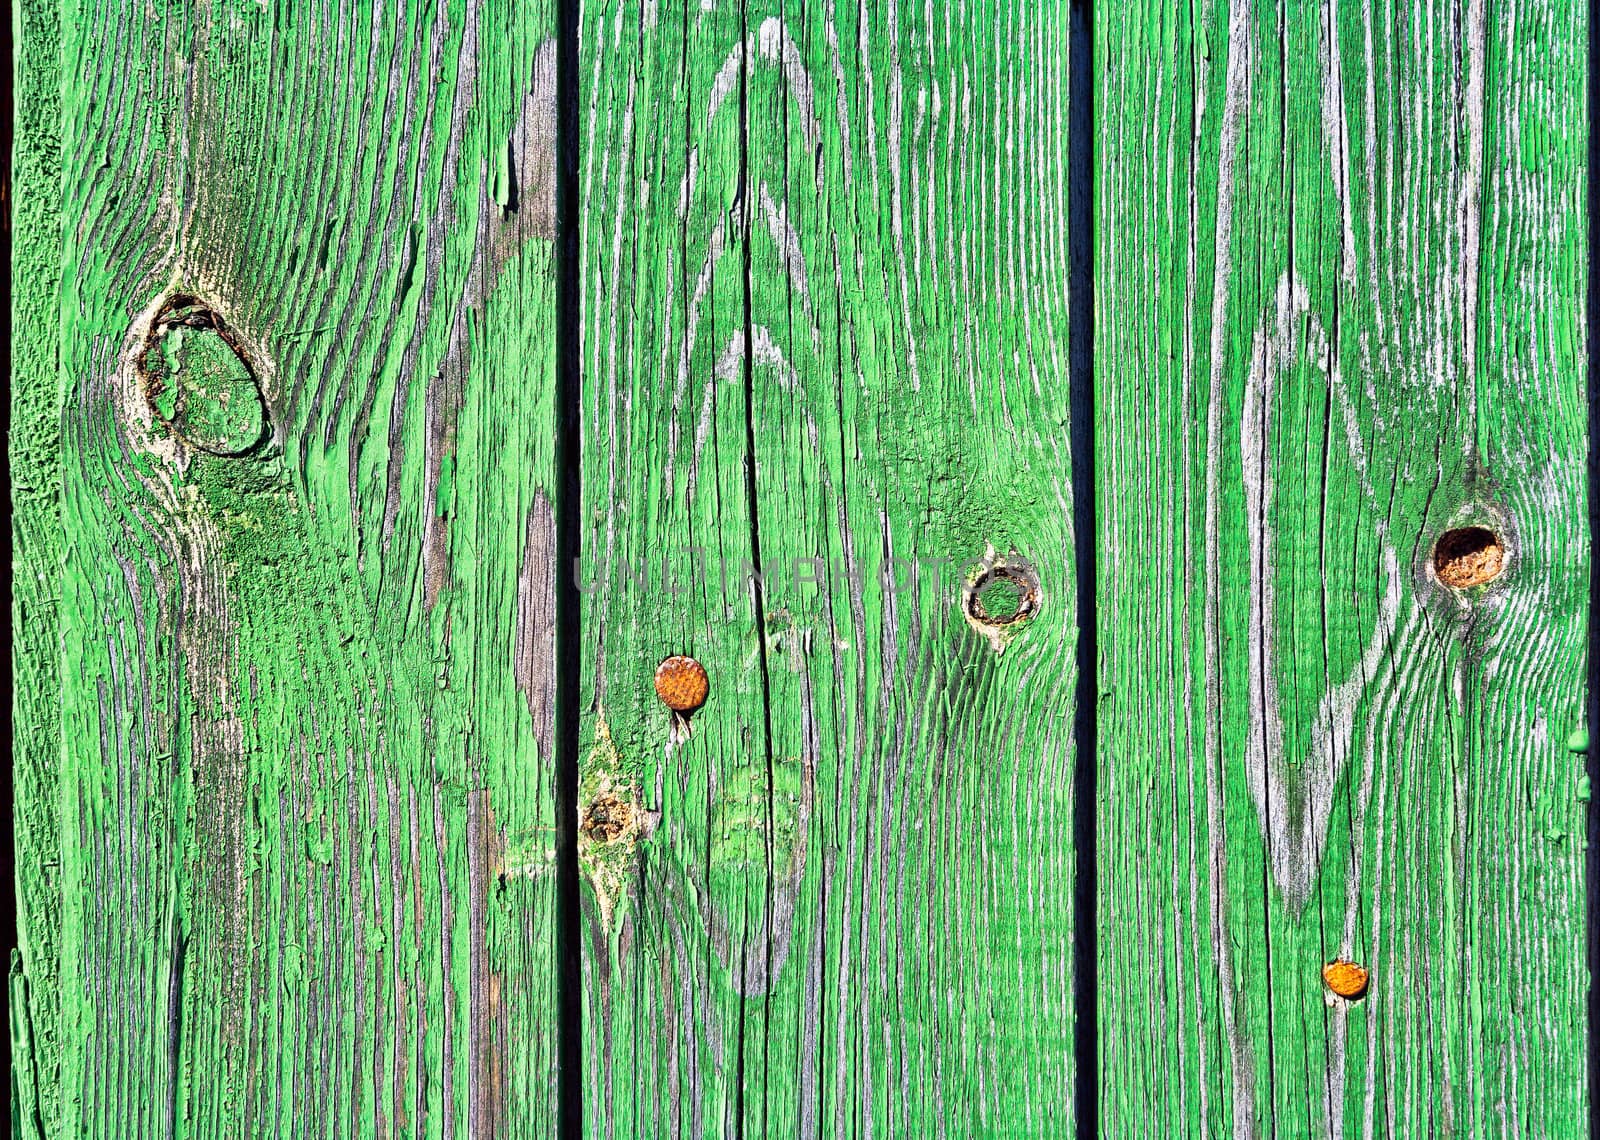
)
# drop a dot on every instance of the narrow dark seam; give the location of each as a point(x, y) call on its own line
point(568, 652)
point(1258, 661)
point(769, 920)
point(746, 210)
point(1080, 385)
point(1334, 333)
point(745, 206)
point(1592, 701)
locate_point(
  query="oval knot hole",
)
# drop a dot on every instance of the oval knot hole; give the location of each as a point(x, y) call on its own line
point(1468, 556)
point(1005, 595)
point(199, 380)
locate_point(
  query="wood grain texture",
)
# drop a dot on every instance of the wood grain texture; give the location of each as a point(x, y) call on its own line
point(283, 433)
point(825, 334)
point(34, 448)
point(1340, 269)
point(306, 341)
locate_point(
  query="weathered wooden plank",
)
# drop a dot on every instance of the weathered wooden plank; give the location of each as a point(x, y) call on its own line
point(825, 319)
point(307, 343)
point(1340, 273)
point(664, 432)
point(34, 442)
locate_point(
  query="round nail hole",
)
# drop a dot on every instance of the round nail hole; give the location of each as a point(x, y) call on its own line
point(1003, 596)
point(1468, 556)
point(607, 818)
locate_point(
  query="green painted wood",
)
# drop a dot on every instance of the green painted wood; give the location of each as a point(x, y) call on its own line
point(824, 280)
point(305, 332)
point(282, 428)
point(34, 441)
point(1340, 271)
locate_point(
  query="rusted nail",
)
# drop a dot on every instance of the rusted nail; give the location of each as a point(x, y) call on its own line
point(681, 683)
point(1468, 556)
point(1347, 979)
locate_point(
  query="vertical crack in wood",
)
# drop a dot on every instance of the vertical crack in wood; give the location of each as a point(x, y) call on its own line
point(175, 956)
point(1241, 1066)
point(486, 1113)
point(745, 207)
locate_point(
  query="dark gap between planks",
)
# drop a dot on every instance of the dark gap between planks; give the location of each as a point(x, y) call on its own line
point(1592, 700)
point(1080, 357)
point(7, 114)
point(568, 455)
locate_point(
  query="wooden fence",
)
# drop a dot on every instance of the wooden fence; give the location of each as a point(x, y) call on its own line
point(1122, 474)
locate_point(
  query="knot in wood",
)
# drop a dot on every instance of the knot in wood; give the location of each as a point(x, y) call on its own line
point(1468, 556)
point(607, 818)
point(1002, 596)
point(198, 380)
